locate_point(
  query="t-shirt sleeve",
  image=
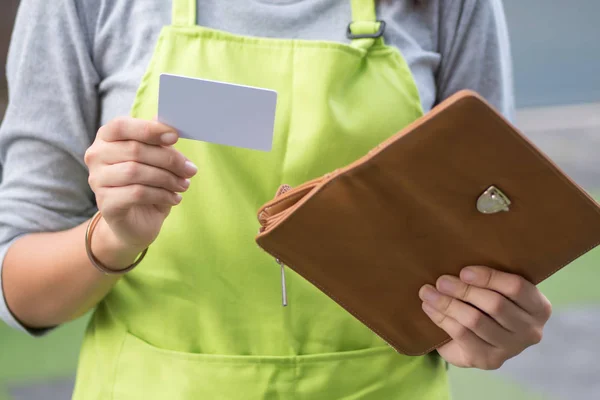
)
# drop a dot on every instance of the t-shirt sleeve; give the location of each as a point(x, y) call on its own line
point(49, 123)
point(475, 48)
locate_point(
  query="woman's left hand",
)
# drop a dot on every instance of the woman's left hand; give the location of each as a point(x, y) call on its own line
point(491, 316)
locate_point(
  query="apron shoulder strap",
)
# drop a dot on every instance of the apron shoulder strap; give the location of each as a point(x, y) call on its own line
point(364, 21)
point(363, 10)
point(184, 12)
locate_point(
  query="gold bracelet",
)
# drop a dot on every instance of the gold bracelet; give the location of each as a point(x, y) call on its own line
point(95, 262)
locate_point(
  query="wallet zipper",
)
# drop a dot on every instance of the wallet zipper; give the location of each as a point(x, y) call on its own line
point(282, 190)
point(283, 284)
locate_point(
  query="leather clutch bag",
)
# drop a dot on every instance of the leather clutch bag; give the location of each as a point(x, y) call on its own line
point(461, 186)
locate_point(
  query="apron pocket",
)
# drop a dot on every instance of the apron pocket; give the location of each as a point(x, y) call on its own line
point(145, 372)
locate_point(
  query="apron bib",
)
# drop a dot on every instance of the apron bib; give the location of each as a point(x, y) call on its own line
point(202, 318)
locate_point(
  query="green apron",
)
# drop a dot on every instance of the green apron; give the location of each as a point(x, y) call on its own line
point(202, 317)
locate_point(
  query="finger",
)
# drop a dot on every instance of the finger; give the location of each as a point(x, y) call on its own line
point(523, 293)
point(458, 332)
point(167, 158)
point(124, 197)
point(504, 311)
point(131, 173)
point(149, 132)
point(477, 322)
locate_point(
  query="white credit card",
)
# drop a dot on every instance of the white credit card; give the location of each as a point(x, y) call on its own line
point(218, 112)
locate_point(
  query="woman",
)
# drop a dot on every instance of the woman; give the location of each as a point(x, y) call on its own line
point(201, 316)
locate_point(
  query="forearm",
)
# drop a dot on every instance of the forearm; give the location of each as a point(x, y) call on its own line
point(48, 278)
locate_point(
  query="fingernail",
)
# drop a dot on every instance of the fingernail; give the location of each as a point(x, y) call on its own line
point(428, 293)
point(428, 309)
point(190, 168)
point(447, 285)
point(185, 183)
point(169, 138)
point(468, 275)
point(178, 198)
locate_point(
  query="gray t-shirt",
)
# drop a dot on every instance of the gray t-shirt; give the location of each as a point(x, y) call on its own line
point(75, 64)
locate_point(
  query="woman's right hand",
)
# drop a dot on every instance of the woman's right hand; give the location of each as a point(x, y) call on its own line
point(137, 176)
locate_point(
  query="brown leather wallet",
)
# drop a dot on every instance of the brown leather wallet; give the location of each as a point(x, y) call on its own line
point(460, 186)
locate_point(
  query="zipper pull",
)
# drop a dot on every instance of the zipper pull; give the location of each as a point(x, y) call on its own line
point(283, 285)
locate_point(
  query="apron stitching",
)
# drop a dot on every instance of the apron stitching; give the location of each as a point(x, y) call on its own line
point(284, 361)
point(270, 42)
point(144, 84)
point(287, 136)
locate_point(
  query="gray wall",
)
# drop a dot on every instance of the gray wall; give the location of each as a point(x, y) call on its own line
point(556, 50)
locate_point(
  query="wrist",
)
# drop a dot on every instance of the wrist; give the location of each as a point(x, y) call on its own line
point(112, 251)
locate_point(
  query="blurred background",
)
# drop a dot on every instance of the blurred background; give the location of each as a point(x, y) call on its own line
point(556, 51)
